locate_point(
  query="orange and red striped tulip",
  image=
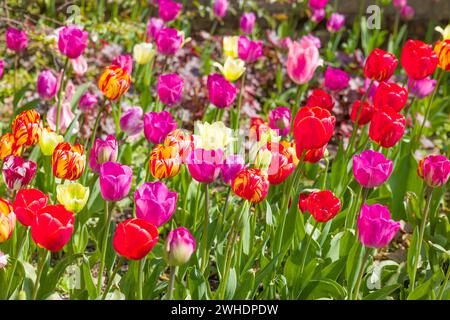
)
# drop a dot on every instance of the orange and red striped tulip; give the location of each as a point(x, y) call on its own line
point(27, 128)
point(442, 49)
point(7, 220)
point(68, 161)
point(165, 161)
point(182, 140)
point(9, 146)
point(114, 82)
point(251, 184)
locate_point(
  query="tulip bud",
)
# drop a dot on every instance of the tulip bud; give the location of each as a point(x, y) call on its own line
point(220, 8)
point(103, 151)
point(179, 247)
point(143, 53)
point(16, 39)
point(2, 67)
point(170, 88)
point(434, 170)
point(48, 141)
point(73, 196)
point(387, 128)
point(7, 220)
point(157, 125)
point(115, 181)
point(313, 128)
point(17, 172)
point(47, 85)
point(365, 112)
point(131, 121)
point(371, 169)
point(68, 161)
point(72, 41)
point(247, 22)
point(318, 15)
point(251, 184)
point(114, 82)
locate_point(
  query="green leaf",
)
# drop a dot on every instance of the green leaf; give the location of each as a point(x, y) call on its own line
point(383, 293)
point(414, 246)
point(19, 95)
point(425, 290)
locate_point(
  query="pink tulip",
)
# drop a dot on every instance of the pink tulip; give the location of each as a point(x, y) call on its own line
point(88, 101)
point(169, 40)
point(336, 79)
point(2, 67)
point(407, 13)
point(317, 4)
point(248, 50)
point(280, 119)
point(154, 25)
point(103, 151)
point(220, 8)
point(17, 172)
point(422, 88)
point(155, 203)
point(168, 10)
point(400, 3)
point(131, 121)
point(72, 41)
point(303, 60)
point(318, 15)
point(434, 170)
point(115, 181)
point(157, 126)
point(179, 247)
point(311, 38)
point(66, 116)
point(205, 165)
point(170, 88)
point(47, 85)
point(221, 92)
point(335, 22)
point(231, 167)
point(247, 22)
point(371, 169)
point(124, 61)
point(79, 65)
point(375, 227)
point(16, 39)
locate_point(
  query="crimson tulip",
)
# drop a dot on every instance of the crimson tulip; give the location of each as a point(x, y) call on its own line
point(390, 94)
point(27, 203)
point(387, 128)
point(380, 65)
point(418, 59)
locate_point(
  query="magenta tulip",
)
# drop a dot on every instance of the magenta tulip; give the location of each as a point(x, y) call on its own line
point(434, 170)
point(17, 172)
point(157, 126)
point(204, 165)
point(124, 61)
point(16, 39)
point(280, 119)
point(88, 101)
point(220, 8)
point(248, 50)
point(335, 22)
point(72, 41)
point(170, 88)
point(2, 67)
point(247, 22)
point(336, 79)
point(422, 88)
point(103, 151)
point(47, 85)
point(371, 169)
point(131, 121)
point(318, 15)
point(179, 247)
point(221, 92)
point(169, 40)
point(169, 10)
point(317, 4)
point(115, 181)
point(232, 165)
point(311, 38)
point(154, 25)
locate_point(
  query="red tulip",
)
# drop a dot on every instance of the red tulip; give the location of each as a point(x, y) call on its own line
point(320, 98)
point(323, 205)
point(52, 227)
point(365, 115)
point(380, 65)
point(303, 201)
point(27, 203)
point(312, 155)
point(418, 59)
point(313, 128)
point(281, 164)
point(134, 238)
point(390, 94)
point(387, 127)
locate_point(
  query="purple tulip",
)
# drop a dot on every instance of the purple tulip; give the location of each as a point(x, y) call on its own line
point(125, 61)
point(179, 247)
point(371, 169)
point(16, 39)
point(47, 85)
point(248, 50)
point(169, 40)
point(220, 8)
point(317, 4)
point(154, 25)
point(115, 181)
point(336, 79)
point(170, 88)
point(231, 167)
point(407, 13)
point(155, 203)
point(131, 121)
point(168, 10)
point(2, 67)
point(335, 22)
point(221, 92)
point(72, 41)
point(318, 15)
point(17, 172)
point(205, 165)
point(434, 170)
point(280, 119)
point(88, 101)
point(422, 88)
point(103, 151)
point(157, 126)
point(247, 22)
point(375, 227)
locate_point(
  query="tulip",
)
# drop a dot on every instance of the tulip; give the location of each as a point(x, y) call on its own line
point(318, 15)
point(2, 67)
point(8, 146)
point(371, 169)
point(114, 82)
point(280, 118)
point(317, 4)
point(7, 220)
point(320, 98)
point(68, 161)
point(230, 46)
point(249, 51)
point(366, 113)
point(375, 227)
point(418, 59)
point(3, 260)
point(390, 95)
point(103, 151)
point(157, 125)
point(143, 53)
point(134, 238)
point(303, 60)
point(16, 39)
point(407, 13)
point(422, 88)
point(165, 161)
point(72, 41)
point(281, 165)
point(212, 136)
point(247, 22)
point(313, 127)
point(182, 141)
point(335, 22)
point(204, 165)
point(220, 8)
point(131, 121)
point(170, 88)
point(230, 168)
point(52, 227)
point(125, 62)
point(323, 205)
point(27, 128)
point(115, 181)
point(66, 116)
point(154, 25)
point(17, 172)
point(442, 49)
point(336, 79)
point(155, 203)
point(221, 93)
point(445, 32)
point(380, 65)
point(387, 128)
point(73, 196)
point(169, 40)
point(434, 170)
point(27, 204)
point(400, 3)
point(179, 247)
point(88, 101)
point(311, 155)
point(232, 69)
point(303, 202)
point(169, 10)
point(79, 66)
point(258, 127)
point(251, 184)
point(47, 85)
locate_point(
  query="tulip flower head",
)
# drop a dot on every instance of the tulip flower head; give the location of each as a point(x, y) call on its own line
point(280, 119)
point(2, 68)
point(371, 169)
point(114, 82)
point(318, 15)
point(131, 121)
point(232, 69)
point(66, 116)
point(434, 170)
point(27, 128)
point(165, 161)
point(251, 184)
point(205, 165)
point(390, 95)
point(73, 196)
point(418, 59)
point(153, 27)
point(317, 4)
point(3, 260)
point(320, 98)
point(169, 41)
point(169, 10)
point(115, 181)
point(220, 8)
point(336, 79)
point(27, 203)
point(387, 128)
point(230, 46)
point(221, 93)
point(103, 151)
point(375, 227)
point(422, 88)
point(445, 32)
point(179, 247)
point(303, 202)
point(380, 65)
point(181, 140)
point(442, 49)
point(47, 85)
point(323, 205)
point(16, 39)
point(125, 62)
point(17, 172)
point(281, 163)
point(365, 114)
point(88, 101)
point(157, 126)
point(231, 166)
point(170, 88)
point(303, 60)
point(7, 220)
point(248, 50)
point(335, 22)
point(212, 136)
point(72, 41)
point(143, 53)
point(247, 22)
point(68, 161)
point(155, 203)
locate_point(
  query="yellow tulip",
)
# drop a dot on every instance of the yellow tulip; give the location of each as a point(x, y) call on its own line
point(232, 68)
point(73, 196)
point(445, 32)
point(48, 142)
point(143, 53)
point(230, 46)
point(212, 136)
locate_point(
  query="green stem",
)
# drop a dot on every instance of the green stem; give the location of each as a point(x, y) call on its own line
point(301, 89)
point(361, 273)
point(140, 278)
point(108, 214)
point(96, 124)
point(16, 63)
point(444, 285)
point(308, 243)
point(364, 192)
point(41, 264)
point(239, 103)
point(111, 279)
point(14, 267)
point(58, 106)
point(173, 272)
point(205, 230)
